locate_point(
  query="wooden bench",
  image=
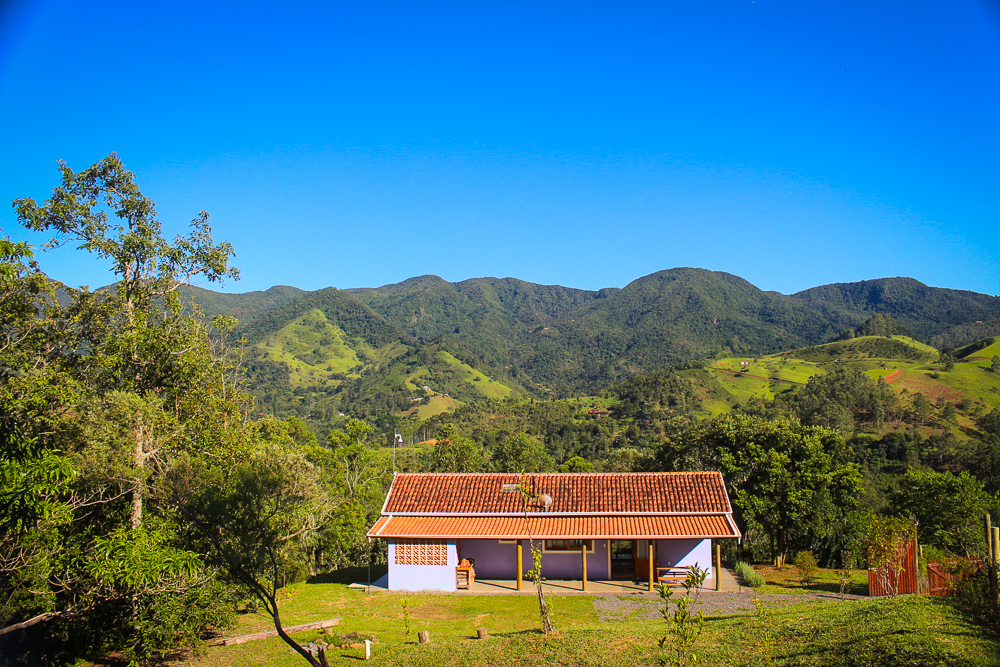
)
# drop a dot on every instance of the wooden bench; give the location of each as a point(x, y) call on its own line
point(465, 576)
point(672, 576)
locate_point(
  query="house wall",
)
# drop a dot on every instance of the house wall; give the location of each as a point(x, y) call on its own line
point(499, 561)
point(423, 577)
point(683, 553)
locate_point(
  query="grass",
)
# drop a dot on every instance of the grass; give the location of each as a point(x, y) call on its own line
point(987, 353)
point(905, 631)
point(435, 406)
point(788, 580)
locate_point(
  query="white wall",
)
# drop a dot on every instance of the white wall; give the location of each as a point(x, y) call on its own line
point(422, 577)
point(684, 553)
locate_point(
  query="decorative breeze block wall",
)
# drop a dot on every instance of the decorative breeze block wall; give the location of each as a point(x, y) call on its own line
point(421, 552)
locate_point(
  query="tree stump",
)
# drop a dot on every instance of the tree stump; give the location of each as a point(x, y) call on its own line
point(424, 636)
point(482, 633)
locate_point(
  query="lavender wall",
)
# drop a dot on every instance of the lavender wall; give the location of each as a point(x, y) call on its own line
point(499, 561)
point(683, 553)
point(422, 577)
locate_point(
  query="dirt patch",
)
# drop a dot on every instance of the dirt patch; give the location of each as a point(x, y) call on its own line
point(437, 612)
point(929, 387)
point(894, 376)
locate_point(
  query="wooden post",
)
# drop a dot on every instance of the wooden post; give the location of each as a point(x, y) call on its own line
point(991, 555)
point(995, 550)
point(718, 566)
point(321, 654)
point(583, 552)
point(520, 566)
point(651, 557)
point(482, 633)
point(424, 637)
point(989, 537)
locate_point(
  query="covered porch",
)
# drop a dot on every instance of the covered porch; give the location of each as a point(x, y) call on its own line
point(727, 583)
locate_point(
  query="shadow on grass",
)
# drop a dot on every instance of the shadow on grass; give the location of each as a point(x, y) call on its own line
point(349, 575)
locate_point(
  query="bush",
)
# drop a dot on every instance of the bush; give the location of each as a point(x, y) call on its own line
point(750, 576)
point(806, 563)
point(972, 583)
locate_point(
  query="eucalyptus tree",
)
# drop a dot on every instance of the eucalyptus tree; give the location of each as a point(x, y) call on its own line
point(100, 391)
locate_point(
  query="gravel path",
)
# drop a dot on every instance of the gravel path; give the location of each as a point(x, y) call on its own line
point(628, 607)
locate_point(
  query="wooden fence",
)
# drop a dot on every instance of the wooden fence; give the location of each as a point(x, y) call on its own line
point(896, 580)
point(938, 580)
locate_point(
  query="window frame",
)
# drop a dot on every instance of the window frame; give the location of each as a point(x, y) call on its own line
point(591, 545)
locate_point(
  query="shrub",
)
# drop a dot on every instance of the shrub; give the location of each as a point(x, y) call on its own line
point(806, 563)
point(750, 576)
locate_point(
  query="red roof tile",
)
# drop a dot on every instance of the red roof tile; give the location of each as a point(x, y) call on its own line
point(574, 527)
point(573, 493)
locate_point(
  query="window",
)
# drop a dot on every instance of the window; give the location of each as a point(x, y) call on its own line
point(567, 545)
point(421, 552)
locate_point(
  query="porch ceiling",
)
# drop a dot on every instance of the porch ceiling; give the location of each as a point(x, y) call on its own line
point(545, 527)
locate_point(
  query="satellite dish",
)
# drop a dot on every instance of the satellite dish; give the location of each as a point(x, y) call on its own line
point(546, 500)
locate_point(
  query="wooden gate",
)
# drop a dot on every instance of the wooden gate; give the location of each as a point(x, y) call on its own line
point(898, 581)
point(939, 581)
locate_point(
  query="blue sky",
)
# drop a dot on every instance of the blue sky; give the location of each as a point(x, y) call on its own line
point(582, 144)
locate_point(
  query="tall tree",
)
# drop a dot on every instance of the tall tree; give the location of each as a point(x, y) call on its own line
point(110, 387)
point(795, 482)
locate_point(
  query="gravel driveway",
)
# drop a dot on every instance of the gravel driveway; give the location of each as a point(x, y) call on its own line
point(628, 607)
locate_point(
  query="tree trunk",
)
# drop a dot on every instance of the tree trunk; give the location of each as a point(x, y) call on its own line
point(291, 642)
point(139, 460)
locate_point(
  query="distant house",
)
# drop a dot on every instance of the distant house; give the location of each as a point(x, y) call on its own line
point(433, 521)
point(598, 413)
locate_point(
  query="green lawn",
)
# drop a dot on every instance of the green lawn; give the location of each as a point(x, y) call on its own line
point(906, 631)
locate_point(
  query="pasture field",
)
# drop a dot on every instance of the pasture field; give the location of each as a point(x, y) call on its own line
point(908, 630)
point(984, 357)
point(974, 382)
point(314, 347)
point(435, 406)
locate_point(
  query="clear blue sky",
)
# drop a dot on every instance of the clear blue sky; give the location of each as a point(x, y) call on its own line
point(583, 144)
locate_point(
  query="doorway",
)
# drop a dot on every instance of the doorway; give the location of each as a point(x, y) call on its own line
point(622, 559)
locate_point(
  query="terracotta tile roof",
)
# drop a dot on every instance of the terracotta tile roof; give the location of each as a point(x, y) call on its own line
point(488, 527)
point(629, 493)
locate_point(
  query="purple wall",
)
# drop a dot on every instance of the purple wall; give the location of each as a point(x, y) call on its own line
point(499, 561)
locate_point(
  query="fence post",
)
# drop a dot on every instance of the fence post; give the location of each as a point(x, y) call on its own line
point(995, 563)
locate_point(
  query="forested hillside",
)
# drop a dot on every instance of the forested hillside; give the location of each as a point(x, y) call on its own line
point(334, 351)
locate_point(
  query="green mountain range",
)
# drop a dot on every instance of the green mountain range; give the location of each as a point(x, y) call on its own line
point(402, 347)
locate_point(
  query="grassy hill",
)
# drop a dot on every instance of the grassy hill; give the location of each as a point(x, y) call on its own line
point(552, 342)
point(906, 364)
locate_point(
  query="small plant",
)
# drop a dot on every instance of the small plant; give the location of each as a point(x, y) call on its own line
point(684, 626)
point(847, 559)
point(806, 563)
point(750, 576)
point(406, 616)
